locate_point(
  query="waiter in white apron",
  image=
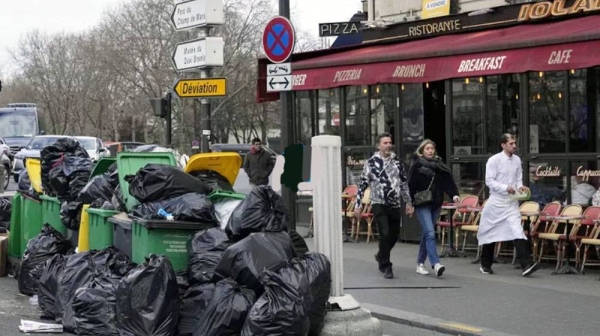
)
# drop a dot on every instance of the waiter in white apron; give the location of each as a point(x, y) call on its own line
point(501, 219)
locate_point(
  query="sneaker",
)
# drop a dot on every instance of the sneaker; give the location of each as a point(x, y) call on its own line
point(486, 270)
point(378, 259)
point(388, 273)
point(531, 269)
point(421, 270)
point(439, 269)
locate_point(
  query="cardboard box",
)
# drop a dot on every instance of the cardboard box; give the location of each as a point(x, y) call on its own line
point(3, 253)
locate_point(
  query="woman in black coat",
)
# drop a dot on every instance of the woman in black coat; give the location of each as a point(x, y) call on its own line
point(428, 172)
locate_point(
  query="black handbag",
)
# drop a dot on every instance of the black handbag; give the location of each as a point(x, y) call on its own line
point(425, 196)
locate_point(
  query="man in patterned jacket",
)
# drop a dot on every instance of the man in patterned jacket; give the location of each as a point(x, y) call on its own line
point(384, 173)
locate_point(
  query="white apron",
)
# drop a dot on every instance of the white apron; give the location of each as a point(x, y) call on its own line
point(500, 221)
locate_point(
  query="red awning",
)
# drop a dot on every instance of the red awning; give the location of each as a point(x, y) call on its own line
point(562, 45)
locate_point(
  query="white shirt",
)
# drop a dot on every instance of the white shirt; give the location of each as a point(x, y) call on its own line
point(502, 171)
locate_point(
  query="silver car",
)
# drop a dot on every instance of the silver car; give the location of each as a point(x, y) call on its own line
point(94, 146)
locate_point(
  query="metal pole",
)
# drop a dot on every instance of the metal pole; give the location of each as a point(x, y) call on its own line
point(205, 105)
point(287, 128)
point(168, 126)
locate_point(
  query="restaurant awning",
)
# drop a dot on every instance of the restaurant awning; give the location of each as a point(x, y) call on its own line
point(560, 45)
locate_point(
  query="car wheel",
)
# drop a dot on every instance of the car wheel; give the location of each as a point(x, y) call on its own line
point(6, 176)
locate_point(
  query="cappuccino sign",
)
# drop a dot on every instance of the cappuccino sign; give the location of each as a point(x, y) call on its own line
point(585, 174)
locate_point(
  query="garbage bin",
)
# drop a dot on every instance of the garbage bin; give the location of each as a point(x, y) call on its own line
point(51, 213)
point(15, 250)
point(129, 163)
point(31, 217)
point(100, 230)
point(122, 233)
point(34, 171)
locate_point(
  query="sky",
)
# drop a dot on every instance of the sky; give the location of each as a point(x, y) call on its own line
point(17, 17)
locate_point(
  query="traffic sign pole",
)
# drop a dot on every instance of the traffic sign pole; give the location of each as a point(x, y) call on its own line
point(287, 126)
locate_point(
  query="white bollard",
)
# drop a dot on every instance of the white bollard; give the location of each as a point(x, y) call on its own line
point(345, 317)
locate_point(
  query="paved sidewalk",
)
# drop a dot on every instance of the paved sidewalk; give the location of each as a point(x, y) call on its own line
point(466, 302)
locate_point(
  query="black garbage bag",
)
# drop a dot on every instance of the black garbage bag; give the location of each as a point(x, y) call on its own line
point(193, 306)
point(156, 182)
point(201, 267)
point(262, 210)
point(213, 180)
point(207, 240)
point(59, 183)
point(94, 311)
point(24, 181)
point(39, 250)
point(280, 311)
point(104, 268)
point(245, 261)
point(6, 209)
point(139, 313)
point(227, 310)
point(52, 155)
point(77, 170)
point(299, 242)
point(70, 214)
point(117, 200)
point(193, 207)
point(100, 187)
point(48, 286)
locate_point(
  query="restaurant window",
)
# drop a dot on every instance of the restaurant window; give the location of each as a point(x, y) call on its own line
point(548, 181)
point(467, 116)
point(354, 163)
point(470, 179)
point(411, 111)
point(582, 134)
point(383, 107)
point(502, 109)
point(547, 117)
point(585, 180)
point(303, 116)
point(357, 116)
point(329, 111)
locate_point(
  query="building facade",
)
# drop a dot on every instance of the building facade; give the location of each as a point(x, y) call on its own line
point(531, 69)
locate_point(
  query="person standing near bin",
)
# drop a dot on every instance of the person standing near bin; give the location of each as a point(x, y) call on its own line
point(384, 173)
point(428, 179)
point(258, 164)
point(501, 218)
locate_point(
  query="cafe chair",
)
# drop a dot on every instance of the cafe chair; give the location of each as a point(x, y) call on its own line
point(592, 240)
point(541, 224)
point(473, 228)
point(365, 215)
point(462, 216)
point(553, 234)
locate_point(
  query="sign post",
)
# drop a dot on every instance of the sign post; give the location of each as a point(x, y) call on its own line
point(199, 56)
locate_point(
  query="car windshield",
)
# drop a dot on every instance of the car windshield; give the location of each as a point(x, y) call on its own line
point(40, 143)
point(87, 143)
point(16, 124)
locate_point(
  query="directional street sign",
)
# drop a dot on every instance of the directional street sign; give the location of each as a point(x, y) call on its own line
point(201, 88)
point(197, 13)
point(279, 83)
point(279, 39)
point(195, 54)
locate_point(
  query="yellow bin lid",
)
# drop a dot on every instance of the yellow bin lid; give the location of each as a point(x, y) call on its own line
point(225, 163)
point(34, 170)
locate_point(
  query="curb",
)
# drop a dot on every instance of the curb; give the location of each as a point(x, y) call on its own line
point(428, 322)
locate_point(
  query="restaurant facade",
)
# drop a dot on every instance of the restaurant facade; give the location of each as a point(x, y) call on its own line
point(462, 80)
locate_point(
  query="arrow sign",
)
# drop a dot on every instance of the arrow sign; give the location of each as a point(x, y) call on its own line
point(201, 88)
point(279, 83)
point(201, 53)
point(197, 13)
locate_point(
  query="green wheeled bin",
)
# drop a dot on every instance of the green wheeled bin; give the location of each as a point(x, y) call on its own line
point(51, 213)
point(15, 250)
point(31, 219)
point(100, 230)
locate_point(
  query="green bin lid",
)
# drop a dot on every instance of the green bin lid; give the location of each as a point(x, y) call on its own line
point(221, 194)
point(102, 166)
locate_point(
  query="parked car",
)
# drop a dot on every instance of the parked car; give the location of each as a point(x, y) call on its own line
point(241, 149)
point(124, 146)
point(32, 150)
point(6, 161)
point(94, 146)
